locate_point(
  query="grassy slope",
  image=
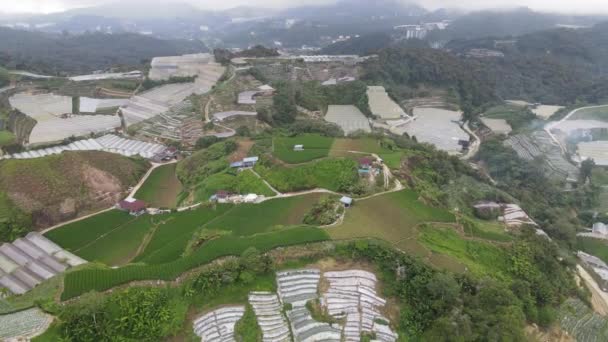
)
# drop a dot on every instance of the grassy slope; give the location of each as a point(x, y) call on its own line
point(596, 247)
point(42, 184)
point(600, 114)
point(161, 188)
point(6, 138)
point(341, 148)
point(392, 217)
point(315, 147)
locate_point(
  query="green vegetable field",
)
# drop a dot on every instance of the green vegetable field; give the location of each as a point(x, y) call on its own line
point(82, 281)
point(315, 147)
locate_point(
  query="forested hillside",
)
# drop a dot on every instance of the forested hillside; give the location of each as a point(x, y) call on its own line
point(77, 54)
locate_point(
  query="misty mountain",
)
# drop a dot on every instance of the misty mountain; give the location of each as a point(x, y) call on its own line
point(77, 54)
point(508, 23)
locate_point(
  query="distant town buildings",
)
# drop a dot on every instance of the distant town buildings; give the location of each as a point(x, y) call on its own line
point(420, 31)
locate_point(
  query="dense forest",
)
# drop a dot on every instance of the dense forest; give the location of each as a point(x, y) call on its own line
point(78, 54)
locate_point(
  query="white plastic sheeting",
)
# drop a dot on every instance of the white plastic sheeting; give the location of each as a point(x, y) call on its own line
point(108, 143)
point(218, 325)
point(268, 311)
point(29, 261)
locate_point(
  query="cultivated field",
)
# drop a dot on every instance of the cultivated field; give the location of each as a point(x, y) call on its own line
point(243, 183)
point(439, 127)
point(82, 281)
point(315, 147)
point(47, 110)
point(327, 174)
point(349, 118)
point(392, 217)
point(595, 247)
point(594, 113)
point(6, 138)
point(161, 188)
point(581, 322)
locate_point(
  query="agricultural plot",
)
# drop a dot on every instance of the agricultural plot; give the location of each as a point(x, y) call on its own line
point(243, 183)
point(161, 188)
point(539, 144)
point(436, 126)
point(81, 233)
point(174, 231)
point(250, 219)
point(581, 322)
point(545, 111)
point(497, 126)
point(82, 281)
point(392, 217)
point(314, 147)
point(596, 150)
point(23, 323)
point(382, 106)
point(328, 174)
point(47, 110)
point(349, 118)
point(599, 113)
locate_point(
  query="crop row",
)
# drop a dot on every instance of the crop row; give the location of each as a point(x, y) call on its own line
point(82, 281)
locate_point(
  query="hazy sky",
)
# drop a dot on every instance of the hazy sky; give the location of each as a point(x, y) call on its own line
point(568, 6)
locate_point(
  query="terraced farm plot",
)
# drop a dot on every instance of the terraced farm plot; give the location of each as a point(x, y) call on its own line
point(22, 323)
point(328, 174)
point(175, 231)
point(75, 235)
point(120, 245)
point(249, 219)
point(82, 281)
point(161, 188)
point(392, 217)
point(581, 322)
point(315, 147)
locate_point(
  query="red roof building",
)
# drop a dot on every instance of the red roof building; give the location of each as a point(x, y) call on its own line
point(133, 206)
point(365, 163)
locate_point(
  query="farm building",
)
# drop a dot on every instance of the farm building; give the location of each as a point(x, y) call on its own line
point(247, 97)
point(349, 118)
point(266, 90)
point(382, 106)
point(133, 206)
point(246, 162)
point(29, 261)
point(598, 231)
point(336, 81)
point(365, 163)
point(298, 147)
point(346, 201)
point(108, 143)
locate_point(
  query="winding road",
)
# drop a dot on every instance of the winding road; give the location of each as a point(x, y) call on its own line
point(551, 125)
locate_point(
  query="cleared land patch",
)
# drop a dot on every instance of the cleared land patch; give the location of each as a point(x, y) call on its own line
point(161, 188)
point(315, 147)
